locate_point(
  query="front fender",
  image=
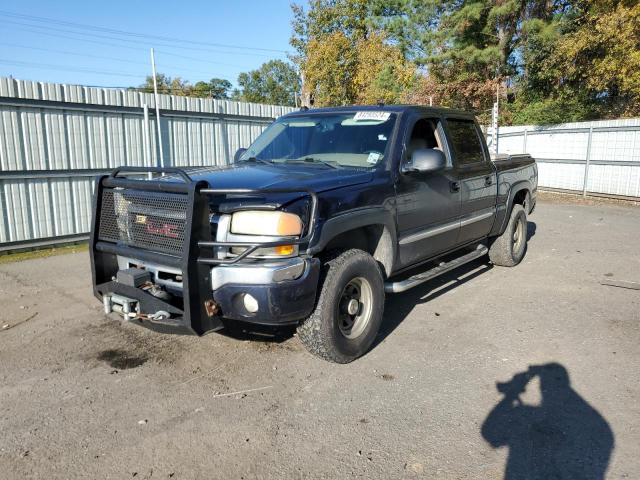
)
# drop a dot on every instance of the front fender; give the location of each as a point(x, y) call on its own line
point(350, 220)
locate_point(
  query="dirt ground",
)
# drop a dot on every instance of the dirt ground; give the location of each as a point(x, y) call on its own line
point(84, 396)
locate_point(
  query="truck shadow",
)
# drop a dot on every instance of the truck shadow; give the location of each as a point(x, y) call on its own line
point(397, 306)
point(257, 333)
point(562, 437)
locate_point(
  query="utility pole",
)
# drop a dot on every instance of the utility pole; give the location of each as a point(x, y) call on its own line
point(494, 121)
point(157, 101)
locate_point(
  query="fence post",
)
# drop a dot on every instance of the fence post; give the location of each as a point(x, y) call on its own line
point(524, 141)
point(586, 166)
point(146, 139)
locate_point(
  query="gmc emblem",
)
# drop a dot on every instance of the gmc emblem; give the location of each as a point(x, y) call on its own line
point(166, 230)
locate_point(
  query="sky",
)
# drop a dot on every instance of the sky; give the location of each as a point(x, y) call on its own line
point(57, 41)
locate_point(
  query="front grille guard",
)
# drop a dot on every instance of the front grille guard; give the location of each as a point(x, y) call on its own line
point(251, 247)
point(198, 251)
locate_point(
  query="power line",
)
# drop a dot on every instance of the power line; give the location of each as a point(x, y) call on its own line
point(137, 49)
point(63, 52)
point(137, 42)
point(45, 66)
point(130, 34)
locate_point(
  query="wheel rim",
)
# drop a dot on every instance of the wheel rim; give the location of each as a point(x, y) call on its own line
point(518, 235)
point(355, 307)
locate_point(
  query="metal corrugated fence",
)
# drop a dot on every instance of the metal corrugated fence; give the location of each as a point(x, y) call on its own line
point(601, 157)
point(55, 139)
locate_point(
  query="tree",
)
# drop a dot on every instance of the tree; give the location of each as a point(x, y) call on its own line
point(382, 73)
point(329, 69)
point(275, 82)
point(214, 88)
point(369, 71)
point(344, 59)
point(600, 57)
point(325, 17)
point(163, 82)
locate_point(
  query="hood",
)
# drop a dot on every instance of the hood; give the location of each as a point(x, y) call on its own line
point(316, 178)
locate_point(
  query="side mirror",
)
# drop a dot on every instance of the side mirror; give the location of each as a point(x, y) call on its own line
point(425, 160)
point(238, 154)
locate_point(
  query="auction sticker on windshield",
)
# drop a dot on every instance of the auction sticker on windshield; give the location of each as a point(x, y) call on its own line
point(379, 116)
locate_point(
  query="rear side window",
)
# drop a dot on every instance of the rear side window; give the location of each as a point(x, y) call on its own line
point(465, 141)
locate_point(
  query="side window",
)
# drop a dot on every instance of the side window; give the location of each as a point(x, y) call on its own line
point(424, 135)
point(465, 141)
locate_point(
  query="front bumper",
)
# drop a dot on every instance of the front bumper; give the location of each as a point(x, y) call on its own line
point(279, 302)
point(165, 227)
point(285, 293)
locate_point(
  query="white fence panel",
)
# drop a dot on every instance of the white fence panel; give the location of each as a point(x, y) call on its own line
point(55, 139)
point(591, 157)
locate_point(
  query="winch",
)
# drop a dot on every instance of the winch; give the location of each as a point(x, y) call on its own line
point(129, 308)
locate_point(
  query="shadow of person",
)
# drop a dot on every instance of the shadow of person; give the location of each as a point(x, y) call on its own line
point(562, 438)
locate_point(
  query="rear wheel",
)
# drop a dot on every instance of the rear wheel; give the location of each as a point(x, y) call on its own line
point(508, 249)
point(349, 311)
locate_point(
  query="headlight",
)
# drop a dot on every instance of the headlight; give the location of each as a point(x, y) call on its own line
point(269, 226)
point(269, 223)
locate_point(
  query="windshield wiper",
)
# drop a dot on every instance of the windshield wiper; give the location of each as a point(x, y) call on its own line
point(255, 160)
point(314, 160)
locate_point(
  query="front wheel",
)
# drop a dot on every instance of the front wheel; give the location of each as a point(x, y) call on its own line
point(349, 311)
point(508, 249)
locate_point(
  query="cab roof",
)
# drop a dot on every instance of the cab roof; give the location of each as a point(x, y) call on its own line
point(385, 108)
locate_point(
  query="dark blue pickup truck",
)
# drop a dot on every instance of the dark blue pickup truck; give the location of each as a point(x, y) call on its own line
point(328, 210)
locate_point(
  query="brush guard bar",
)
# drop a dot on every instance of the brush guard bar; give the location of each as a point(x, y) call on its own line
point(194, 258)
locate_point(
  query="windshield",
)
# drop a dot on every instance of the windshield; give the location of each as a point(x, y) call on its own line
point(355, 139)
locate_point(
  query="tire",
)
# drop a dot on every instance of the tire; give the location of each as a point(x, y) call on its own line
point(526, 204)
point(349, 310)
point(508, 249)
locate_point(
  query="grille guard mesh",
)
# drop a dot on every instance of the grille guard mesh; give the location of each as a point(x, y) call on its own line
point(148, 220)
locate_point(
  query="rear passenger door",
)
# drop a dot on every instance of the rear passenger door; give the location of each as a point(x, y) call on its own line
point(476, 176)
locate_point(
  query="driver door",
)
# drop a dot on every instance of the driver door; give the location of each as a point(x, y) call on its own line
point(428, 204)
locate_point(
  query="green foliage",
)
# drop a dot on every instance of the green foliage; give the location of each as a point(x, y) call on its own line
point(275, 82)
point(341, 72)
point(214, 88)
point(600, 57)
point(548, 111)
point(345, 58)
point(554, 60)
point(329, 69)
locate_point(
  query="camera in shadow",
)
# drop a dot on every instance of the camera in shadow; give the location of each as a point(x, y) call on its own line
point(561, 438)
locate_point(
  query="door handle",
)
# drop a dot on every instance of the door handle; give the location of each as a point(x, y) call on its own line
point(488, 181)
point(454, 186)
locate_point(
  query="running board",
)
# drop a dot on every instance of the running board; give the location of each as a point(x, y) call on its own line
point(444, 267)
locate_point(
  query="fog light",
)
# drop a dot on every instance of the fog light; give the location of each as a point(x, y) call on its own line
point(250, 303)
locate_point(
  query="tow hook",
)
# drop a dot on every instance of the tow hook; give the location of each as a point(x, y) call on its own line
point(211, 308)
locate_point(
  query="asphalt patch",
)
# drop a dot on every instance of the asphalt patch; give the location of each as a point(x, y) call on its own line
point(121, 359)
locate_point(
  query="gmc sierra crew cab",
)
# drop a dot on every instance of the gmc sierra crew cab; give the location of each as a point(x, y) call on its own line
point(326, 212)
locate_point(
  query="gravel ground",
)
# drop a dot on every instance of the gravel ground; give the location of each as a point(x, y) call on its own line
point(84, 396)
